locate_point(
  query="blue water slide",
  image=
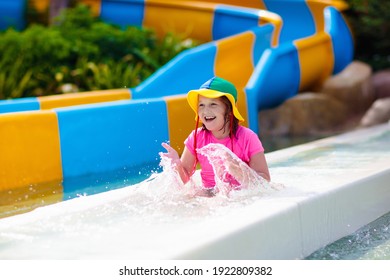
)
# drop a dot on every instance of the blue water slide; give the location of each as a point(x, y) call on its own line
point(298, 21)
point(12, 14)
point(342, 40)
point(275, 78)
point(103, 137)
point(186, 71)
point(123, 12)
point(20, 104)
point(192, 67)
point(229, 20)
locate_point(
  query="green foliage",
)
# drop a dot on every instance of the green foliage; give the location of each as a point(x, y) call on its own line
point(82, 50)
point(370, 22)
point(13, 81)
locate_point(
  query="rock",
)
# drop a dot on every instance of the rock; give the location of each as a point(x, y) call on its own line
point(352, 86)
point(378, 113)
point(381, 83)
point(304, 114)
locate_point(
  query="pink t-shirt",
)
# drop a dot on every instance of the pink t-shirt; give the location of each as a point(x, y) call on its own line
point(245, 145)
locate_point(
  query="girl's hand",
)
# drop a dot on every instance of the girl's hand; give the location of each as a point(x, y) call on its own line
point(171, 153)
point(182, 167)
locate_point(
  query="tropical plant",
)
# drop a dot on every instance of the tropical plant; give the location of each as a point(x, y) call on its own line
point(81, 50)
point(370, 22)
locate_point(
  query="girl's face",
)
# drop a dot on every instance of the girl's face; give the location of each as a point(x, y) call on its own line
point(211, 112)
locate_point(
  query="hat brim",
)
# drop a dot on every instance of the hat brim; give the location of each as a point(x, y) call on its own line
point(192, 98)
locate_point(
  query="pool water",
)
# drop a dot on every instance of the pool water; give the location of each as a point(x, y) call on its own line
point(160, 200)
point(25, 199)
point(371, 242)
point(111, 224)
point(97, 183)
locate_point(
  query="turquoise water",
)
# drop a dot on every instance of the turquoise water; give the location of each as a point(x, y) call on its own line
point(97, 183)
point(25, 199)
point(371, 242)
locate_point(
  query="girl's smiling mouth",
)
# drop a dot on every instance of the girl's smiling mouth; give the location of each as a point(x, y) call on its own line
point(209, 119)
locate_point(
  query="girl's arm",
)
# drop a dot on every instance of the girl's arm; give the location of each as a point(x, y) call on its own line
point(236, 167)
point(259, 164)
point(184, 165)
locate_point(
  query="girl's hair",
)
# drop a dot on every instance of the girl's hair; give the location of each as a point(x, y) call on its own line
point(229, 117)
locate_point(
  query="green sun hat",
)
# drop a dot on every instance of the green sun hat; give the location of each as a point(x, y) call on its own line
point(214, 88)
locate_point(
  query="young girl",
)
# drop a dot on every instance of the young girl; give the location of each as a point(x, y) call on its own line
point(215, 107)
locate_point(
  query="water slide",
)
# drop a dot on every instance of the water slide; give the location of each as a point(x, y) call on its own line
point(270, 49)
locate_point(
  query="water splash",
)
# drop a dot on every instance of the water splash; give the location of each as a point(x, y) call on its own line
point(166, 195)
point(162, 201)
point(226, 165)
